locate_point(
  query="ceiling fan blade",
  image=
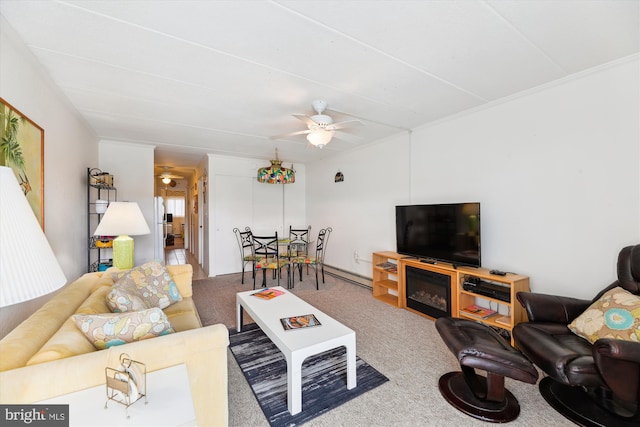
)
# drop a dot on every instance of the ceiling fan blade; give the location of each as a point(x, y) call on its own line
point(301, 132)
point(305, 119)
point(346, 137)
point(345, 124)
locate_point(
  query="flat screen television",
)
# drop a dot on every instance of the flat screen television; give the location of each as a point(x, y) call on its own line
point(440, 232)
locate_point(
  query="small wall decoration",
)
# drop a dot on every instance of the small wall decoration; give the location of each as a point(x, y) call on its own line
point(22, 150)
point(339, 177)
point(205, 178)
point(195, 198)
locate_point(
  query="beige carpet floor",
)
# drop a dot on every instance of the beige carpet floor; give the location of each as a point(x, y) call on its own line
point(401, 345)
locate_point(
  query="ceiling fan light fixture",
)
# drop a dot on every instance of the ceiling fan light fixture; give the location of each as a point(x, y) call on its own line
point(166, 180)
point(320, 137)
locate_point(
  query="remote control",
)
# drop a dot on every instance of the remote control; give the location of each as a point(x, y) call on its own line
point(498, 272)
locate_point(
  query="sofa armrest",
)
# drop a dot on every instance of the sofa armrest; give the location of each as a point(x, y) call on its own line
point(202, 350)
point(551, 308)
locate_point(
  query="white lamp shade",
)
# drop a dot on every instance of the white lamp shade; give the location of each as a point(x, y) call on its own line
point(122, 218)
point(28, 266)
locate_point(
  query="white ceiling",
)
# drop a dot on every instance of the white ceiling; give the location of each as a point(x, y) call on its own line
point(196, 77)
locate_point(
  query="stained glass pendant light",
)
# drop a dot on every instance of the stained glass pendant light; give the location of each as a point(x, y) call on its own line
point(276, 173)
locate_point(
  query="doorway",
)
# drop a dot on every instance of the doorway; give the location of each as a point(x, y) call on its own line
point(175, 219)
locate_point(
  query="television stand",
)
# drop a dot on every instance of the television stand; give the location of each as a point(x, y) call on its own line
point(391, 288)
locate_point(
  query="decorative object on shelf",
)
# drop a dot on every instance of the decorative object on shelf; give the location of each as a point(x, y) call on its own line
point(339, 177)
point(23, 152)
point(127, 383)
point(99, 178)
point(102, 242)
point(276, 173)
point(101, 206)
point(29, 266)
point(122, 219)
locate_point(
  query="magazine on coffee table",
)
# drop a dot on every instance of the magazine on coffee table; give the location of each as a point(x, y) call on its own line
point(268, 293)
point(299, 322)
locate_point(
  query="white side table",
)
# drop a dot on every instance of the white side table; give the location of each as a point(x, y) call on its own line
point(168, 396)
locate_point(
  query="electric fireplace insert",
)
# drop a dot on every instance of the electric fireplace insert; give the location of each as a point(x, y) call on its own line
point(428, 292)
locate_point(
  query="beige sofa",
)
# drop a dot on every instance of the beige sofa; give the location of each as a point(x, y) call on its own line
point(48, 356)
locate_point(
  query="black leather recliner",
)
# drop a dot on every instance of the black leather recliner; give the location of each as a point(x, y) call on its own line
point(579, 373)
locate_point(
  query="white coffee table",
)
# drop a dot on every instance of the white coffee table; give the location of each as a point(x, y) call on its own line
point(297, 345)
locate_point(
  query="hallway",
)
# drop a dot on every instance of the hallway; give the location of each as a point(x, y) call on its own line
point(177, 254)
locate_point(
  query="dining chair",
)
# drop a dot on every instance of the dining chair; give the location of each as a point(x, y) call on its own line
point(317, 261)
point(298, 244)
point(267, 257)
point(245, 243)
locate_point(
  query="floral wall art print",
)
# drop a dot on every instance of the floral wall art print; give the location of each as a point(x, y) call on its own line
point(22, 150)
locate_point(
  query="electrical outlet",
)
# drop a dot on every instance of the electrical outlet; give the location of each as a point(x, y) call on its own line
point(356, 256)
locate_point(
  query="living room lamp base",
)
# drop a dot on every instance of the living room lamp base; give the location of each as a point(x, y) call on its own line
point(123, 252)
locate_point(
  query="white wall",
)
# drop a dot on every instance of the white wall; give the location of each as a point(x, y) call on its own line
point(557, 174)
point(361, 209)
point(70, 146)
point(132, 168)
point(237, 199)
point(555, 169)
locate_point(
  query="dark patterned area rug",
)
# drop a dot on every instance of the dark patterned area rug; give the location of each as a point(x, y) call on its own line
point(324, 377)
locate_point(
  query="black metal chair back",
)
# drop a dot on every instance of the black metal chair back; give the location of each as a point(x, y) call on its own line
point(299, 241)
point(316, 262)
point(267, 257)
point(266, 246)
point(321, 246)
point(245, 244)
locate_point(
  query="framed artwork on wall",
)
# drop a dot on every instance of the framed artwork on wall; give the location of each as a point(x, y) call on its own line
point(22, 150)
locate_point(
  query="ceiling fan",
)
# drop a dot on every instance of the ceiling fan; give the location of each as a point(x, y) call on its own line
point(320, 127)
point(167, 176)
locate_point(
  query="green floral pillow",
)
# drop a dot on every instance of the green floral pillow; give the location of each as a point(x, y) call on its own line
point(152, 282)
point(111, 329)
point(615, 315)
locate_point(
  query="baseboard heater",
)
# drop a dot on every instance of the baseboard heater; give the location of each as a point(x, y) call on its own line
point(348, 276)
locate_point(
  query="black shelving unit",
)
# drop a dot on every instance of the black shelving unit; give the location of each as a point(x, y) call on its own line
point(98, 247)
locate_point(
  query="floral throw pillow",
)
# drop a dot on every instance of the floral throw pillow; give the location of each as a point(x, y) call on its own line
point(152, 282)
point(615, 315)
point(124, 298)
point(111, 329)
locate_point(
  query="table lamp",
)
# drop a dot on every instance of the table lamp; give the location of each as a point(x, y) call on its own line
point(28, 266)
point(122, 219)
